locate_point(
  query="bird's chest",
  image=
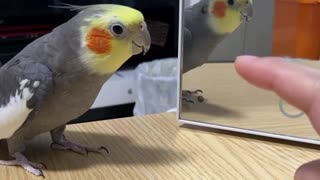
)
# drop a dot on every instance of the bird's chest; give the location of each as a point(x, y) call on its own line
point(70, 98)
point(75, 93)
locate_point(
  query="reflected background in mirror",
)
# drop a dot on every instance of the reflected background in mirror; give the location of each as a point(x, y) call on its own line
point(215, 32)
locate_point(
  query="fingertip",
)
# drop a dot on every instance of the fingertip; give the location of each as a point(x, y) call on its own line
point(242, 64)
point(243, 61)
point(258, 71)
point(308, 171)
point(246, 58)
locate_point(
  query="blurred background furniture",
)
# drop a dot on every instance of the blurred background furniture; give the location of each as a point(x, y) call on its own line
point(297, 29)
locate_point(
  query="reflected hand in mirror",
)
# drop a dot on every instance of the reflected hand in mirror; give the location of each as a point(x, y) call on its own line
point(206, 24)
point(297, 84)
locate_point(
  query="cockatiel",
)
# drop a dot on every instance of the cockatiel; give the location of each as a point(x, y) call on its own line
point(206, 24)
point(57, 77)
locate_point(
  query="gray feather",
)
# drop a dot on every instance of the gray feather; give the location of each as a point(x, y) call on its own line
point(199, 39)
point(72, 7)
point(12, 73)
point(79, 8)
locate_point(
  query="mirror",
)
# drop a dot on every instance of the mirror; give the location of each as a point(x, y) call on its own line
point(214, 33)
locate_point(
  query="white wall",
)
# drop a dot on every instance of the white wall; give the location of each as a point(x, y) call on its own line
point(259, 31)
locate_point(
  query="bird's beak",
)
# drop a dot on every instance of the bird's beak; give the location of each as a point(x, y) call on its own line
point(142, 41)
point(247, 10)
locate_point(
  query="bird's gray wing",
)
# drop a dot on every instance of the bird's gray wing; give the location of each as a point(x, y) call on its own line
point(187, 38)
point(23, 84)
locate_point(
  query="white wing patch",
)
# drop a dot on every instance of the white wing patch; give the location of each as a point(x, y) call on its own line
point(13, 114)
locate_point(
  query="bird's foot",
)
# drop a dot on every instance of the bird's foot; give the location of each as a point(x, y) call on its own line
point(77, 148)
point(196, 92)
point(21, 160)
point(188, 95)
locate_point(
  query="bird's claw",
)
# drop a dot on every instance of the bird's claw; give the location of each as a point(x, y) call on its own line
point(188, 101)
point(77, 148)
point(196, 92)
point(44, 166)
point(21, 160)
point(188, 95)
point(41, 174)
point(105, 149)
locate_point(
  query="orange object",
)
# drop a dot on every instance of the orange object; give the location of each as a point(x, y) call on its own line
point(296, 30)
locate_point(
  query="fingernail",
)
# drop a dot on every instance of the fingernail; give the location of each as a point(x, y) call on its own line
point(246, 58)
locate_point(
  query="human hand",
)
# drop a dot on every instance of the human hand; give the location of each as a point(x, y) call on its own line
point(297, 84)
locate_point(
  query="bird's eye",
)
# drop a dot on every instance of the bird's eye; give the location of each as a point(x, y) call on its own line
point(117, 29)
point(204, 10)
point(231, 2)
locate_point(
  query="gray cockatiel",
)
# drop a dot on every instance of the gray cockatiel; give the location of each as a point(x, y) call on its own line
point(57, 77)
point(206, 24)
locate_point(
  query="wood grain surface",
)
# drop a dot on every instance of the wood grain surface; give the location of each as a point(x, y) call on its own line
point(158, 147)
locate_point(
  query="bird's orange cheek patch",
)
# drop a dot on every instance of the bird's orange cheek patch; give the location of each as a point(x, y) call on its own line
point(99, 41)
point(219, 9)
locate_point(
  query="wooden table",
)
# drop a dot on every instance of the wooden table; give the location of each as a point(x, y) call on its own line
point(158, 147)
point(232, 101)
